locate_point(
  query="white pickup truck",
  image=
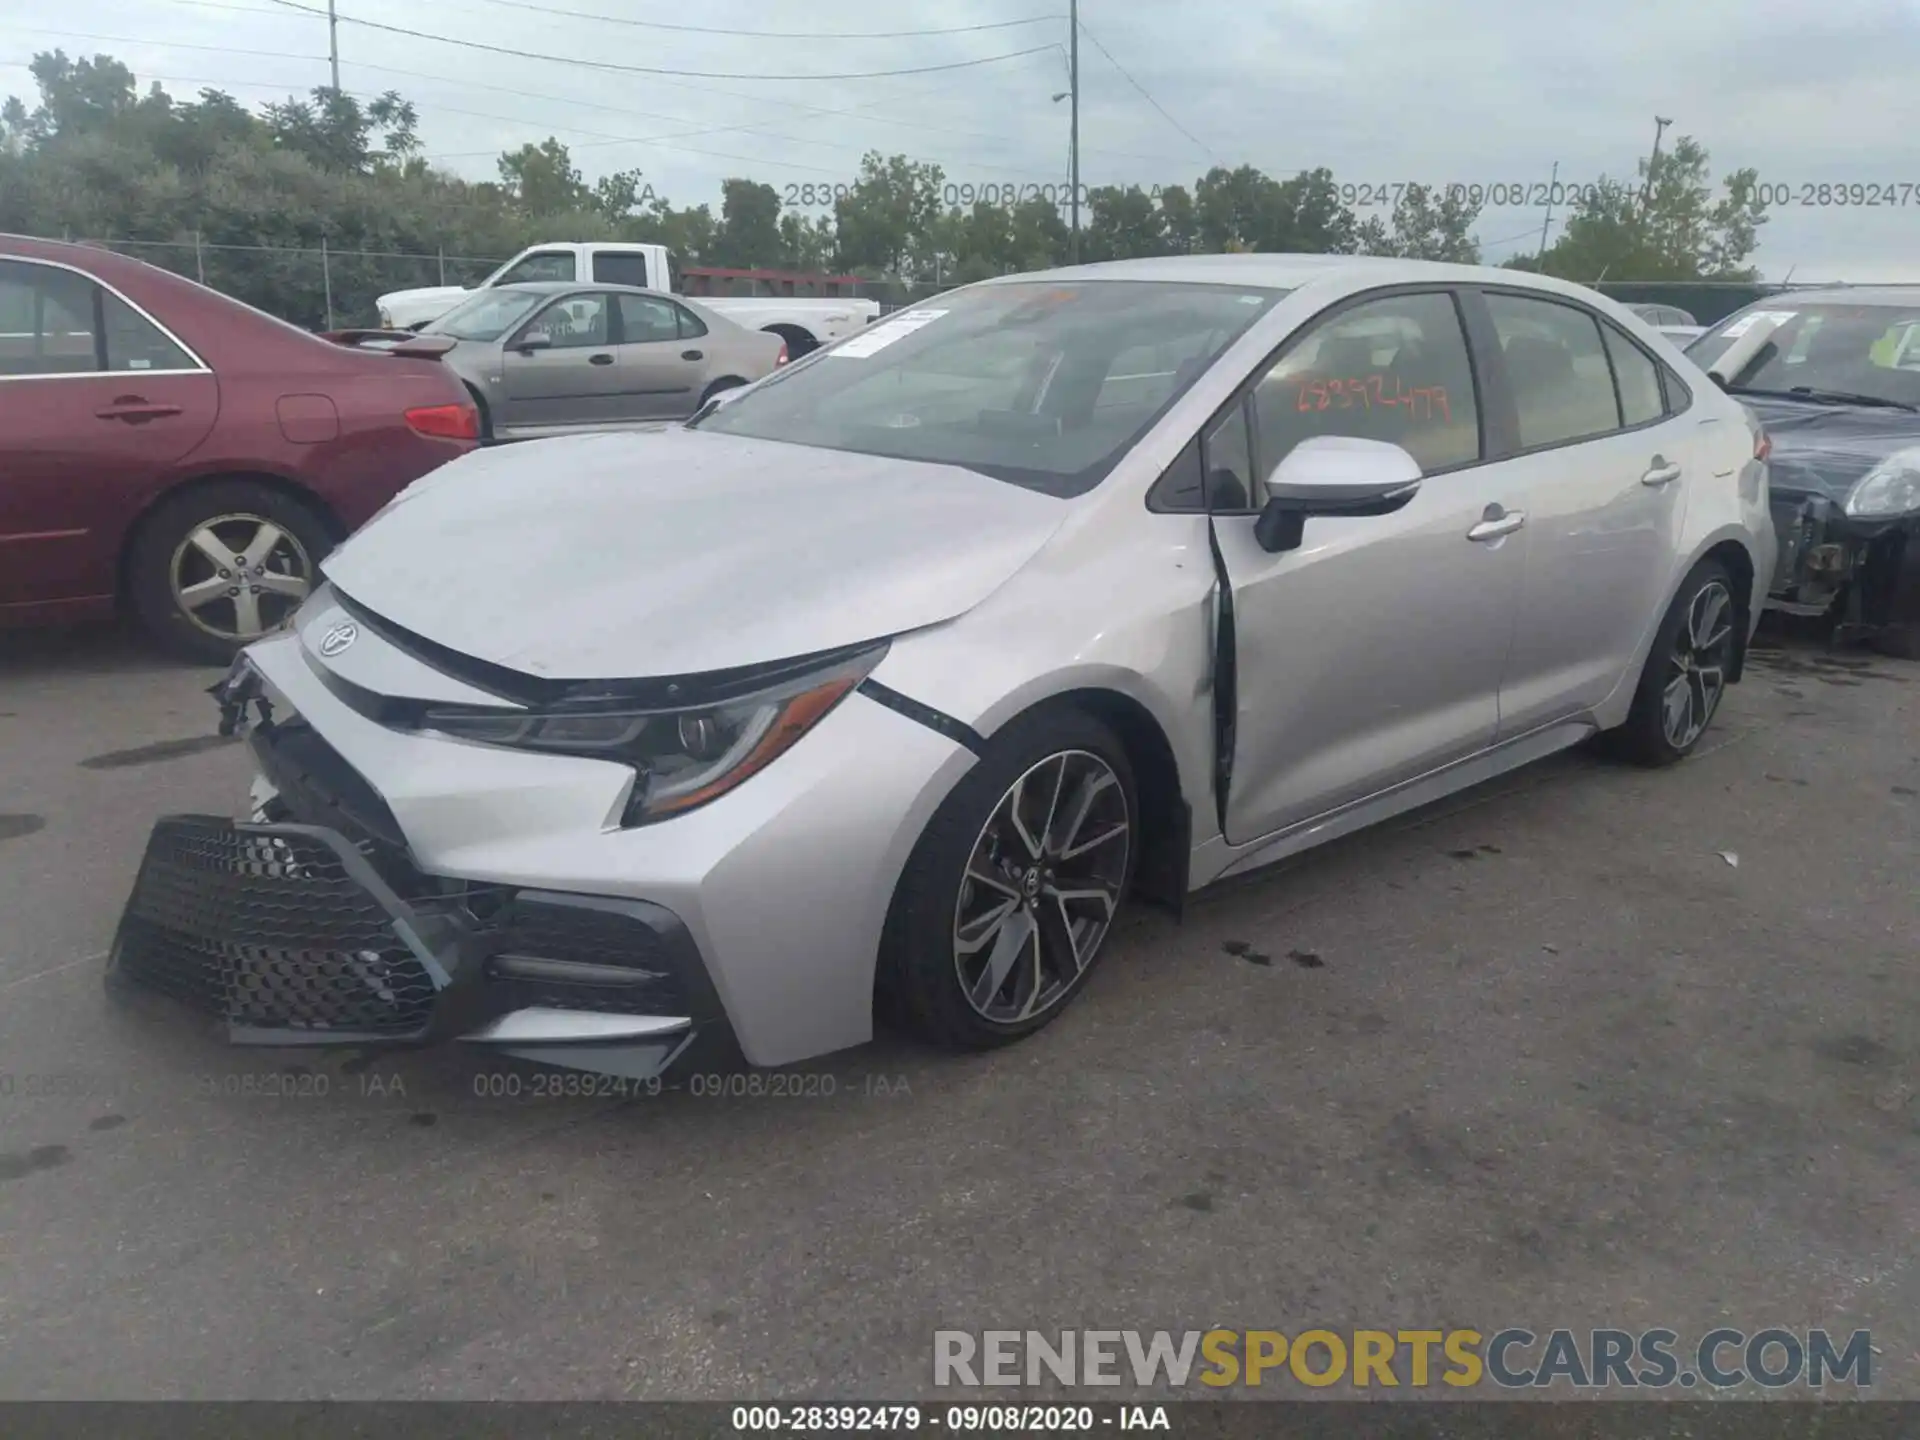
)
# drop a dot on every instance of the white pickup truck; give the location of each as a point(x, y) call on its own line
point(804, 324)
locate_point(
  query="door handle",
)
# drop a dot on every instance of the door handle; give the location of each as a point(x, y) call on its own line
point(1662, 473)
point(691, 355)
point(601, 359)
point(133, 409)
point(1498, 522)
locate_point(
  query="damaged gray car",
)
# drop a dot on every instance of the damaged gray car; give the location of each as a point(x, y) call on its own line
point(1834, 377)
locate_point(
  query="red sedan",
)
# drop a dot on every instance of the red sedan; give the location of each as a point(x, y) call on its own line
point(173, 453)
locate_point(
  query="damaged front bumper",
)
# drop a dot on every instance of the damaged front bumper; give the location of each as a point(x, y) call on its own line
point(313, 927)
point(1866, 573)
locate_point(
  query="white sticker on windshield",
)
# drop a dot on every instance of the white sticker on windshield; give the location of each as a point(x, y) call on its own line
point(1747, 322)
point(887, 332)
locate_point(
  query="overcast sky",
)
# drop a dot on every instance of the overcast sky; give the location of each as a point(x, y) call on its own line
point(1380, 91)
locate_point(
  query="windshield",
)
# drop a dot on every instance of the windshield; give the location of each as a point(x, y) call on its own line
point(1044, 385)
point(487, 316)
point(1870, 350)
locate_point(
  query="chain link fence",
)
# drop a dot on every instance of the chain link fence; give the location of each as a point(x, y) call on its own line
point(316, 287)
point(322, 287)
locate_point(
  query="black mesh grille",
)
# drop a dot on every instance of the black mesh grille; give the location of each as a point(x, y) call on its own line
point(588, 935)
point(269, 931)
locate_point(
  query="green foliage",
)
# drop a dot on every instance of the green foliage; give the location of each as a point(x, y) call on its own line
point(887, 220)
point(1668, 227)
point(1425, 228)
point(749, 237)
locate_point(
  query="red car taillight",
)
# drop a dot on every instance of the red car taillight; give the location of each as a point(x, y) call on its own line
point(1762, 445)
point(445, 422)
point(781, 359)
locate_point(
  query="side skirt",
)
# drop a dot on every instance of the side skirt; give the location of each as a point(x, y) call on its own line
point(1219, 860)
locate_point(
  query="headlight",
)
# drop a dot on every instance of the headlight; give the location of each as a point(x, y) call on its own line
point(1891, 488)
point(682, 756)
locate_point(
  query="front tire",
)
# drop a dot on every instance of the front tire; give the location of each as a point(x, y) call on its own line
point(1014, 885)
point(217, 567)
point(1685, 677)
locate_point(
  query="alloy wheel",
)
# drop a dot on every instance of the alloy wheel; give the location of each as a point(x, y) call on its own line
point(1042, 884)
point(237, 577)
point(1697, 669)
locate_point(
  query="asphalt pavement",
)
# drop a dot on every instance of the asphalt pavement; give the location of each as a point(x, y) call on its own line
point(1589, 1047)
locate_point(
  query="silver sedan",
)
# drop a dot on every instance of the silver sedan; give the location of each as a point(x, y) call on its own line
point(551, 358)
point(895, 676)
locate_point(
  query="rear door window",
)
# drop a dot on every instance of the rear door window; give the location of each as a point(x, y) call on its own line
point(136, 343)
point(1557, 366)
point(46, 321)
point(1638, 378)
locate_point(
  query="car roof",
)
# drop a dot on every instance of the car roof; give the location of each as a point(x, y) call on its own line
point(1283, 271)
point(1906, 296)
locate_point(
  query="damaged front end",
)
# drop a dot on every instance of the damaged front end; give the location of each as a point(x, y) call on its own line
point(1845, 491)
point(310, 924)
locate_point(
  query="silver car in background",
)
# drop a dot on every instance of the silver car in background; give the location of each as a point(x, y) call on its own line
point(549, 358)
point(884, 684)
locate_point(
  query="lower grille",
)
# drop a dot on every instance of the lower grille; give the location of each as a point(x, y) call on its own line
point(269, 931)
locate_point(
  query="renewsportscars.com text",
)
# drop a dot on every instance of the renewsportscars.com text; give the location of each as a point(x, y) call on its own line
point(1512, 1358)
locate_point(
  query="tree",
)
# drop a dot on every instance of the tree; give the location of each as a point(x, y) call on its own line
point(1178, 220)
point(886, 221)
point(1425, 228)
point(749, 235)
point(1245, 209)
point(618, 195)
point(1678, 231)
point(543, 180)
point(689, 233)
point(806, 243)
point(1122, 224)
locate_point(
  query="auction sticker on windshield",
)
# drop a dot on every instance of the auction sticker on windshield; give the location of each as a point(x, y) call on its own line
point(886, 333)
point(1747, 322)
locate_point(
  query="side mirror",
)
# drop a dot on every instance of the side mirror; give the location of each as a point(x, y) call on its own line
point(534, 340)
point(1333, 475)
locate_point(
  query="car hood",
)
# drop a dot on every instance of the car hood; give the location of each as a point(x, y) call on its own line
point(1826, 449)
point(674, 552)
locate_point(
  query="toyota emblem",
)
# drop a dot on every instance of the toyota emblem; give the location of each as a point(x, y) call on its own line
point(338, 638)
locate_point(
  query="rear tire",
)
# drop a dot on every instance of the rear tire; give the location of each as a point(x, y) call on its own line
point(720, 386)
point(185, 586)
point(1014, 885)
point(1685, 677)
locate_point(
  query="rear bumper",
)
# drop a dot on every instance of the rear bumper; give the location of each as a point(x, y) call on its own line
point(290, 934)
point(1868, 569)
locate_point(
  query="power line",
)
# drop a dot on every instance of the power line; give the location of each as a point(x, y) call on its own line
point(748, 126)
point(774, 34)
point(170, 44)
point(1145, 93)
point(518, 54)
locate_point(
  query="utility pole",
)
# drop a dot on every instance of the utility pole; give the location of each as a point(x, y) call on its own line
point(1653, 161)
point(1552, 185)
point(333, 43)
point(1073, 141)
